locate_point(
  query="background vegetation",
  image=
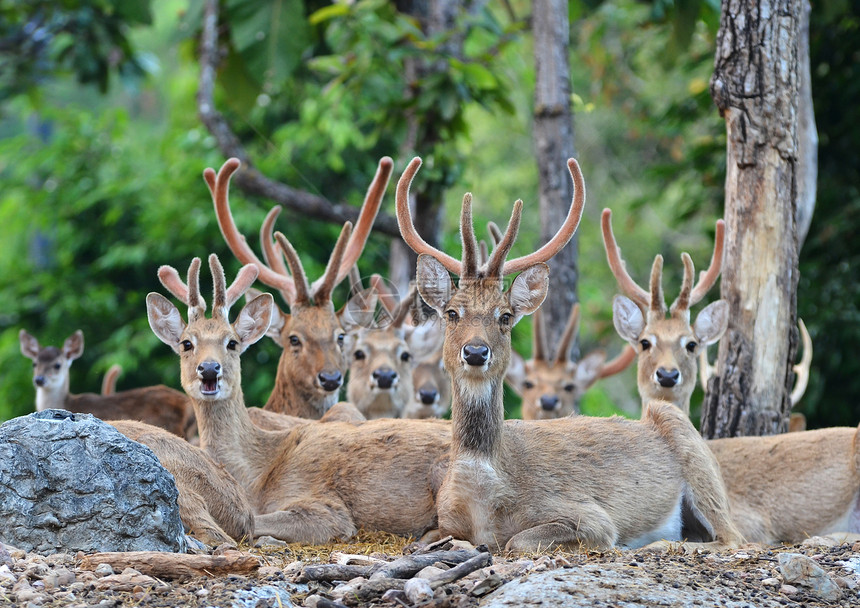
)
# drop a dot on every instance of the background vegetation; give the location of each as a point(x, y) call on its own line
point(101, 156)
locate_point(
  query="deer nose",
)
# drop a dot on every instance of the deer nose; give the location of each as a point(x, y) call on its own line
point(385, 377)
point(428, 395)
point(476, 354)
point(209, 370)
point(548, 402)
point(667, 378)
point(330, 381)
point(39, 380)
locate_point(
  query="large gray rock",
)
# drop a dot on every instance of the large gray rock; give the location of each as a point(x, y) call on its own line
point(70, 482)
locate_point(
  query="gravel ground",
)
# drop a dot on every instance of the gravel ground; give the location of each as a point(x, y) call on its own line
point(819, 572)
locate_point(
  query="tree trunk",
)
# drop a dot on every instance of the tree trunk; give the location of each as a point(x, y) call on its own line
point(553, 139)
point(755, 87)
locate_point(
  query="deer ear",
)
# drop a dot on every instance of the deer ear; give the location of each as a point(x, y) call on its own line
point(164, 319)
point(359, 311)
point(528, 290)
point(627, 318)
point(516, 373)
point(29, 345)
point(73, 347)
point(254, 319)
point(712, 322)
point(434, 283)
point(588, 369)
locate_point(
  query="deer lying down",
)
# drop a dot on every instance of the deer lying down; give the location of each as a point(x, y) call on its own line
point(157, 405)
point(317, 481)
point(782, 488)
point(212, 505)
point(569, 482)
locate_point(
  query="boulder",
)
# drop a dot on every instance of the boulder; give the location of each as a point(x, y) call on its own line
point(69, 482)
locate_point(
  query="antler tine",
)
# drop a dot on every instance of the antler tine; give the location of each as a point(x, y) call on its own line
point(538, 337)
point(407, 227)
point(613, 255)
point(564, 234)
point(218, 187)
point(169, 277)
point(709, 277)
point(619, 363)
point(300, 280)
point(570, 329)
point(355, 282)
point(496, 265)
point(196, 303)
point(219, 287)
point(389, 302)
point(246, 277)
point(323, 286)
point(366, 217)
point(658, 303)
point(271, 254)
point(495, 232)
point(802, 368)
point(401, 313)
point(706, 370)
point(470, 244)
point(681, 306)
point(483, 252)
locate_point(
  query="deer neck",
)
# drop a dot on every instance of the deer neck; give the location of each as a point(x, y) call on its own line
point(53, 398)
point(477, 416)
point(288, 397)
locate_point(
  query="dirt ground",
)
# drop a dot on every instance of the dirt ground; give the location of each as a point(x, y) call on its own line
point(750, 576)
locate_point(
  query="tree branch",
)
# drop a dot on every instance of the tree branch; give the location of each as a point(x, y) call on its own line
point(248, 178)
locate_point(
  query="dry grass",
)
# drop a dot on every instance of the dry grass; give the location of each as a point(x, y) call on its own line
point(363, 543)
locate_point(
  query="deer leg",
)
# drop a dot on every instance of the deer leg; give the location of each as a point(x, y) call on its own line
point(591, 528)
point(312, 520)
point(198, 521)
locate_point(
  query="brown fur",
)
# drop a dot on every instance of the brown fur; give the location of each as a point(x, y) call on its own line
point(158, 405)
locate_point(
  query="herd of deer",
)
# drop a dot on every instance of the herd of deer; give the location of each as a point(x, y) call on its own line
point(309, 468)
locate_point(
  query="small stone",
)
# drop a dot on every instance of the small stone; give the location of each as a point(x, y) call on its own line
point(798, 569)
point(104, 570)
point(788, 589)
point(819, 541)
point(201, 592)
point(348, 587)
point(312, 600)
point(462, 545)
point(770, 582)
point(5, 556)
point(6, 574)
point(418, 590)
point(429, 572)
point(493, 581)
point(266, 572)
point(269, 541)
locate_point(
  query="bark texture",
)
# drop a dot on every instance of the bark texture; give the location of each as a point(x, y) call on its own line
point(755, 86)
point(553, 140)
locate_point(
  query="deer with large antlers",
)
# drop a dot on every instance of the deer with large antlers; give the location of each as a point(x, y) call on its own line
point(569, 482)
point(317, 481)
point(552, 385)
point(158, 405)
point(780, 488)
point(312, 367)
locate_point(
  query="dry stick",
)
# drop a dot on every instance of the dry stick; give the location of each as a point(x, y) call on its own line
point(175, 565)
point(481, 560)
point(329, 573)
point(408, 566)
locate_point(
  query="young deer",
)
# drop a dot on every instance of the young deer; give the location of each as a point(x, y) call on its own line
point(780, 488)
point(312, 366)
point(569, 482)
point(551, 386)
point(157, 405)
point(316, 481)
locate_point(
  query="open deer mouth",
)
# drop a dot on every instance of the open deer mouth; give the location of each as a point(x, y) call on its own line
point(209, 386)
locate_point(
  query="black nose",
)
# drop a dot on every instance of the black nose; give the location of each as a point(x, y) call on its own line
point(428, 395)
point(209, 370)
point(476, 354)
point(385, 377)
point(548, 402)
point(330, 381)
point(668, 378)
point(39, 380)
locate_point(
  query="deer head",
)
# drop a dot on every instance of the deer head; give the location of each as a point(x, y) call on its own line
point(51, 367)
point(668, 347)
point(478, 313)
point(312, 366)
point(552, 385)
point(209, 348)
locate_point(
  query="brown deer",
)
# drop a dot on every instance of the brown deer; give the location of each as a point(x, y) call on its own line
point(158, 405)
point(312, 366)
point(569, 482)
point(781, 488)
point(551, 386)
point(317, 481)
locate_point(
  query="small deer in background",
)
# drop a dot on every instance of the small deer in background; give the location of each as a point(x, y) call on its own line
point(157, 405)
point(781, 488)
point(552, 385)
point(312, 367)
point(568, 482)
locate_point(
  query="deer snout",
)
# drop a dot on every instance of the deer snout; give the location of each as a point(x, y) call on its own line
point(385, 377)
point(548, 402)
point(667, 378)
point(428, 395)
point(209, 372)
point(39, 380)
point(330, 381)
point(476, 354)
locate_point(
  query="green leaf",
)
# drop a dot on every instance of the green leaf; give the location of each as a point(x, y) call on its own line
point(327, 13)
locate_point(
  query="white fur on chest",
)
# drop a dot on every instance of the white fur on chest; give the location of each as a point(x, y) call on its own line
point(477, 489)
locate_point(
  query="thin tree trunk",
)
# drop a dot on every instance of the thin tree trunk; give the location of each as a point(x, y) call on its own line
point(553, 140)
point(755, 86)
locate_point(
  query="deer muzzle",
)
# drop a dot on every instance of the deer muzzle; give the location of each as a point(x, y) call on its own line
point(476, 354)
point(428, 395)
point(384, 377)
point(667, 378)
point(549, 402)
point(330, 381)
point(209, 372)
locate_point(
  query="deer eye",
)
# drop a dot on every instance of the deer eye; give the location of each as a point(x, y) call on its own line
point(340, 338)
point(405, 356)
point(294, 340)
point(691, 346)
point(645, 344)
point(452, 316)
point(57, 366)
point(34, 364)
point(359, 355)
point(505, 318)
point(527, 384)
point(569, 387)
point(186, 345)
point(232, 344)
